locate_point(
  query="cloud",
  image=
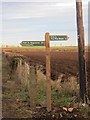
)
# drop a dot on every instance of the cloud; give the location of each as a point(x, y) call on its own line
point(7, 30)
point(23, 29)
point(42, 1)
point(29, 10)
point(65, 6)
point(36, 1)
point(30, 20)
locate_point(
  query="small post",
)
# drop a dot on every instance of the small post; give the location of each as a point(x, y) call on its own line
point(81, 51)
point(48, 91)
point(32, 86)
point(26, 74)
point(19, 68)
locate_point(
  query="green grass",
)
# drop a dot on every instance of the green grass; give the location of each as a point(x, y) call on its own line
point(65, 101)
point(58, 98)
point(61, 100)
point(23, 96)
point(41, 93)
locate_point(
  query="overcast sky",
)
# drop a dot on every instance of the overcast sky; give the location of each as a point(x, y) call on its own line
point(25, 20)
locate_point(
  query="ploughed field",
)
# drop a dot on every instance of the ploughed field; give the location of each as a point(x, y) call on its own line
point(63, 60)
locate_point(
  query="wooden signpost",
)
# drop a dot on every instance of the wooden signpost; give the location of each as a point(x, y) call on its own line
point(48, 91)
point(49, 38)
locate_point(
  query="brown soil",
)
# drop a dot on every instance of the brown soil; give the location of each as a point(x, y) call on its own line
point(65, 62)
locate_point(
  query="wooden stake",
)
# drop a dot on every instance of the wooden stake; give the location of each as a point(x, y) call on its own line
point(48, 91)
point(81, 50)
point(33, 86)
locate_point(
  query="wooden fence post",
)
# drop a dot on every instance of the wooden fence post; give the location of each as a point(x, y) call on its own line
point(26, 66)
point(48, 91)
point(19, 68)
point(32, 87)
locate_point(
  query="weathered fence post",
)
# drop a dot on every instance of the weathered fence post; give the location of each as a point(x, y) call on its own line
point(48, 91)
point(26, 66)
point(19, 68)
point(81, 51)
point(32, 86)
point(22, 72)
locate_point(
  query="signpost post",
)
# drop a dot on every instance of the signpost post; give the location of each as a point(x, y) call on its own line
point(49, 38)
point(48, 91)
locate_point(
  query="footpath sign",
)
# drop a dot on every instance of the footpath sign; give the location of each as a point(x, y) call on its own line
point(58, 37)
point(49, 38)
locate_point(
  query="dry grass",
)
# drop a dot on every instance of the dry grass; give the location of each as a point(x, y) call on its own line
point(62, 93)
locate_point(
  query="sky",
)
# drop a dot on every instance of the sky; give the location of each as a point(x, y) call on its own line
point(27, 20)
